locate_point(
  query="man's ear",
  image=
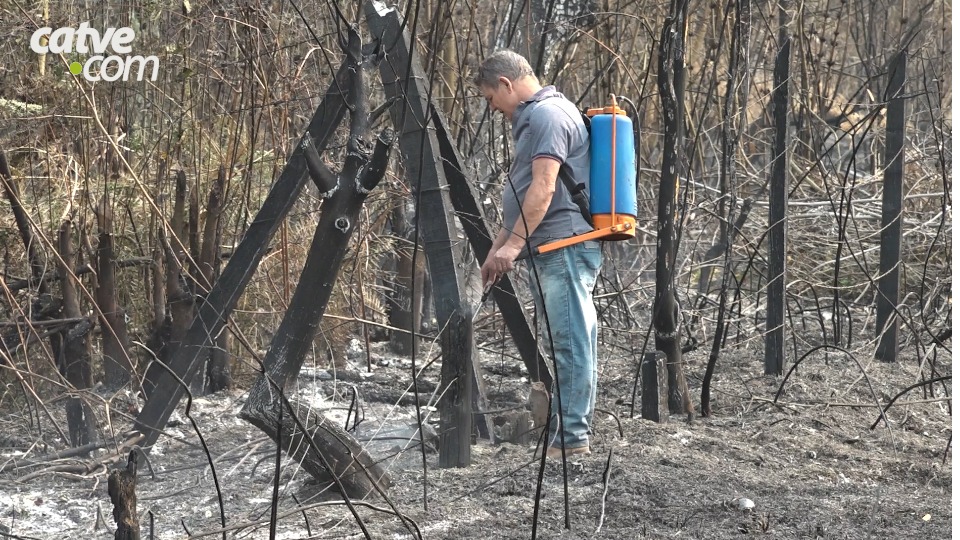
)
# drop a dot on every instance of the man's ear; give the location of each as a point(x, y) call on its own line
point(506, 82)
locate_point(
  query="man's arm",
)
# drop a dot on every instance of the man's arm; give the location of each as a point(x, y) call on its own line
point(510, 242)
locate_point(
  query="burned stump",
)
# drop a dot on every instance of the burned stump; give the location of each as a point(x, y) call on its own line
point(122, 488)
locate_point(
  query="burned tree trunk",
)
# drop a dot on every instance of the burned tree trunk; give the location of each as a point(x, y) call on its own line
point(654, 404)
point(888, 285)
point(666, 309)
point(404, 82)
point(117, 366)
point(218, 365)
point(340, 455)
point(776, 282)
point(74, 350)
point(465, 201)
point(226, 291)
point(456, 402)
point(122, 489)
point(180, 304)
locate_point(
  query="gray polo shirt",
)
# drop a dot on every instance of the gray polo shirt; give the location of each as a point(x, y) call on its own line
point(548, 125)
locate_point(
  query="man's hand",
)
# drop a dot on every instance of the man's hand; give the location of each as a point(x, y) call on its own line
point(498, 263)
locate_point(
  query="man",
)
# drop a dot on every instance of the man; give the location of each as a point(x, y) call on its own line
point(550, 139)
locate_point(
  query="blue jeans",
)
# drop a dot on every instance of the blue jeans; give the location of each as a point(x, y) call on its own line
point(566, 278)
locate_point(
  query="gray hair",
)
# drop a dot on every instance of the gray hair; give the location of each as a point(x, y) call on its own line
point(503, 63)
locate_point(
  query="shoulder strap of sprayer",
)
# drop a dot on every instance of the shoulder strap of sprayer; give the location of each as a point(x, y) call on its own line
point(578, 192)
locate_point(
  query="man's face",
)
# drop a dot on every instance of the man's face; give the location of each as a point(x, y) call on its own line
point(502, 98)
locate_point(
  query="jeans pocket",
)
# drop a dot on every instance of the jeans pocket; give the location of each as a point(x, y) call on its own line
point(591, 256)
point(551, 259)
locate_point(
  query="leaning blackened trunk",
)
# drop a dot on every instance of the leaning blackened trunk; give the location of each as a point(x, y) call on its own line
point(113, 324)
point(666, 309)
point(888, 285)
point(74, 360)
point(226, 291)
point(776, 281)
point(354, 471)
point(12, 192)
point(339, 451)
point(465, 199)
point(404, 81)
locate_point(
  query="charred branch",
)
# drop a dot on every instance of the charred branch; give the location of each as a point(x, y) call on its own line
point(321, 175)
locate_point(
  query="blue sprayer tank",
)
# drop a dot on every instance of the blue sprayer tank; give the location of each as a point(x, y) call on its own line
point(613, 171)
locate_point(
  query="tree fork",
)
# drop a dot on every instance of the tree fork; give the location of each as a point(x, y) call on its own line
point(294, 337)
point(226, 291)
point(342, 456)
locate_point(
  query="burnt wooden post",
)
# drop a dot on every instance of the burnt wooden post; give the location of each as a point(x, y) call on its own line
point(888, 285)
point(456, 407)
point(465, 201)
point(340, 454)
point(653, 400)
point(666, 309)
point(776, 273)
point(122, 489)
point(411, 113)
point(221, 300)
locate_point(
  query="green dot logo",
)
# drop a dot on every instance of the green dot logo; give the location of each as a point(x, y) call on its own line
point(76, 68)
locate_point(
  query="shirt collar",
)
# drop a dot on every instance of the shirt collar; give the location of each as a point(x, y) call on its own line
point(542, 94)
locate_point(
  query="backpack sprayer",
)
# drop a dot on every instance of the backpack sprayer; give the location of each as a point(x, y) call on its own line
point(613, 180)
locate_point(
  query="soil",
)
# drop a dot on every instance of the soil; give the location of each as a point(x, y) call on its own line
point(809, 464)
